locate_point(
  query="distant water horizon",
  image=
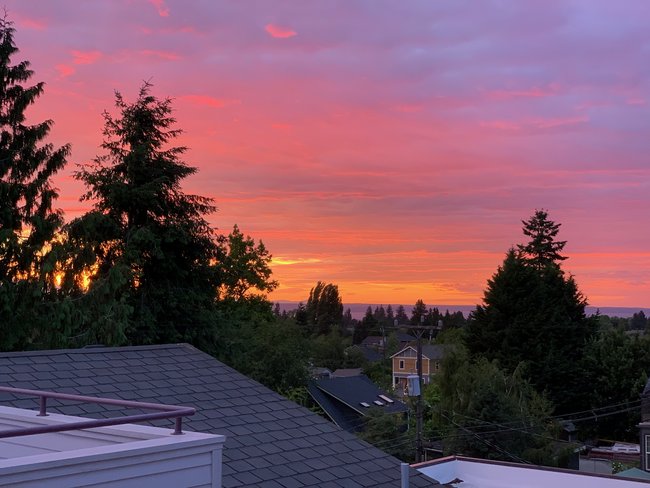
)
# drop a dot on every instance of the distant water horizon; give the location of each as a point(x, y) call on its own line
point(358, 310)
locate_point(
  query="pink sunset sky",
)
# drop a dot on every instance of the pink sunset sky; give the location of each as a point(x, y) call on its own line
point(392, 148)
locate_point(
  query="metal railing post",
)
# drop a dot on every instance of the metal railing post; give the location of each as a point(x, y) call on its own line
point(43, 412)
point(179, 426)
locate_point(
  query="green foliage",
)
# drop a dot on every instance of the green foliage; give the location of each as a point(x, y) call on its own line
point(386, 432)
point(481, 411)
point(324, 308)
point(272, 351)
point(28, 222)
point(617, 367)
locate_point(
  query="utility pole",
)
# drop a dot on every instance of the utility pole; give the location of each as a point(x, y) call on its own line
point(418, 416)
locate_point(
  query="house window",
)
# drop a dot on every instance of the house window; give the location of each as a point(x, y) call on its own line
point(437, 365)
point(401, 364)
point(417, 366)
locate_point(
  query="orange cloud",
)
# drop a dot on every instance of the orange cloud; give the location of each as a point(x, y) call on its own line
point(163, 9)
point(276, 31)
point(160, 54)
point(65, 70)
point(86, 57)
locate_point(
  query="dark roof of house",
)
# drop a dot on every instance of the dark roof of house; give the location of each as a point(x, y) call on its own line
point(402, 337)
point(271, 441)
point(352, 391)
point(372, 355)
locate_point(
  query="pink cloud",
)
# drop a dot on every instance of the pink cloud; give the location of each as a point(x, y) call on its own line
point(160, 54)
point(545, 124)
point(163, 9)
point(28, 23)
point(408, 108)
point(211, 101)
point(65, 70)
point(281, 32)
point(635, 101)
point(86, 57)
point(283, 128)
point(499, 124)
point(534, 92)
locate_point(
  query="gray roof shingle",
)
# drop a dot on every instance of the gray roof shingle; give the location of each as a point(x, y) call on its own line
point(270, 441)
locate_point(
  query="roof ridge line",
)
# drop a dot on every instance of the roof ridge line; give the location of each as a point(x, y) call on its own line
point(55, 352)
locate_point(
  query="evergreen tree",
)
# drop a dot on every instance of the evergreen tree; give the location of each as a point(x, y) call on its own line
point(324, 308)
point(365, 327)
point(419, 311)
point(390, 317)
point(28, 222)
point(536, 317)
point(400, 315)
point(542, 249)
point(146, 245)
point(639, 321)
point(301, 316)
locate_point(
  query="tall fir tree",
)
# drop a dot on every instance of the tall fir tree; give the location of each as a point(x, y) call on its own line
point(28, 221)
point(147, 245)
point(542, 249)
point(536, 316)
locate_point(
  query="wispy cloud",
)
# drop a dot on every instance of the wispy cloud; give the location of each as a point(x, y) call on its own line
point(65, 70)
point(87, 57)
point(281, 32)
point(160, 54)
point(163, 9)
point(210, 101)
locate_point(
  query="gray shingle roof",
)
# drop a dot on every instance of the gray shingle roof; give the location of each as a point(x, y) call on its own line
point(271, 441)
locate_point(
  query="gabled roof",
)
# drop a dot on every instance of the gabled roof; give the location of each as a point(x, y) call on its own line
point(431, 352)
point(271, 442)
point(346, 373)
point(355, 390)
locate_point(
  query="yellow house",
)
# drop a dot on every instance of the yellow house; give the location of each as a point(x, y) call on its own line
point(405, 363)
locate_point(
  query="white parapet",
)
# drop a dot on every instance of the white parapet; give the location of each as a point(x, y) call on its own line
point(122, 456)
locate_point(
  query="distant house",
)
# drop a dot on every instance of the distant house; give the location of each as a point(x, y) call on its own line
point(346, 373)
point(405, 363)
point(347, 400)
point(404, 339)
point(320, 373)
point(373, 341)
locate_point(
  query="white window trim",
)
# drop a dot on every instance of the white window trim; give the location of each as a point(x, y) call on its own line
point(401, 364)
